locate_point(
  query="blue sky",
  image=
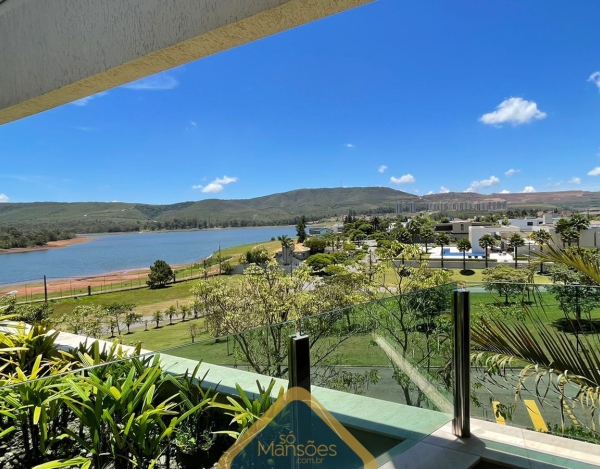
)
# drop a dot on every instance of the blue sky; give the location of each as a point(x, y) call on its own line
point(420, 96)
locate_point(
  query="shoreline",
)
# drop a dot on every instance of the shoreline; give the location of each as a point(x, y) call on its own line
point(125, 276)
point(50, 245)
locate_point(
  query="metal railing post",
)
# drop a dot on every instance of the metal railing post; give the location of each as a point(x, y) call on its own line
point(299, 361)
point(461, 426)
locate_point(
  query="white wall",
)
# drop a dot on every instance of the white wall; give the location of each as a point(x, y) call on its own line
point(56, 51)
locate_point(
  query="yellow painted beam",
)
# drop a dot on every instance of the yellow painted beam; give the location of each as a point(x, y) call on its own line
point(535, 415)
point(497, 416)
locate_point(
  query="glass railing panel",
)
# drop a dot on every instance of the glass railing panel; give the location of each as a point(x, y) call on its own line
point(397, 349)
point(536, 351)
point(261, 350)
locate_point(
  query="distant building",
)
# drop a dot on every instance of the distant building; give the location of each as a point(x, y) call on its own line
point(486, 205)
point(459, 229)
point(319, 231)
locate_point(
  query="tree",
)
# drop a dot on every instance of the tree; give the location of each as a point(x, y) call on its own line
point(227, 268)
point(413, 318)
point(504, 280)
point(442, 239)
point(286, 241)
point(579, 223)
point(463, 246)
point(132, 318)
point(427, 235)
point(316, 244)
point(185, 310)
point(118, 313)
point(515, 242)
point(157, 316)
point(414, 228)
point(549, 354)
point(254, 311)
point(257, 255)
point(172, 312)
point(88, 320)
point(160, 274)
point(569, 235)
point(486, 242)
point(319, 262)
point(540, 237)
point(193, 330)
point(301, 229)
point(560, 227)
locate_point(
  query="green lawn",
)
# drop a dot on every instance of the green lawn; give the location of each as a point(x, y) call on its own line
point(146, 299)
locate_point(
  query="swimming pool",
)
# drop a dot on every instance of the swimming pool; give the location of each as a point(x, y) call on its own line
point(468, 254)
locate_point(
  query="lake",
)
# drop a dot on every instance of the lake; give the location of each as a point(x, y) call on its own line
point(121, 252)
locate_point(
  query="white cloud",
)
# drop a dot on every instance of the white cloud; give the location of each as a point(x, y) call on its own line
point(84, 101)
point(216, 185)
point(595, 171)
point(3, 198)
point(430, 192)
point(511, 172)
point(158, 82)
point(382, 168)
point(406, 179)
point(515, 111)
point(193, 124)
point(574, 180)
point(475, 185)
point(444, 190)
point(349, 145)
point(595, 79)
point(504, 191)
point(529, 189)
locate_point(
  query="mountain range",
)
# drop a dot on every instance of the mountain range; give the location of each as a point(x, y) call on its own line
point(282, 208)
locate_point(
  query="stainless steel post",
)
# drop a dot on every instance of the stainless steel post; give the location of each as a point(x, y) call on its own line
point(299, 362)
point(462, 364)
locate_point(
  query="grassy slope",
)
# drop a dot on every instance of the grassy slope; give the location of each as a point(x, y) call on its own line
point(310, 202)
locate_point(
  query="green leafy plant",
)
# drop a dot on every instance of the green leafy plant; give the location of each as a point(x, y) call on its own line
point(246, 412)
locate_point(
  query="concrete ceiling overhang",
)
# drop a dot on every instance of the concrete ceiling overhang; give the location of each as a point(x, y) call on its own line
point(53, 52)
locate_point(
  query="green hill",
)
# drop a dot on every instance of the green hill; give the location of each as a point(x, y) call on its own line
point(275, 209)
point(283, 208)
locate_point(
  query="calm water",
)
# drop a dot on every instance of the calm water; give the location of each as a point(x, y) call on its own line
point(112, 253)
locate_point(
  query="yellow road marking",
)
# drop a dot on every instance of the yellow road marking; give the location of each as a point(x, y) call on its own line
point(570, 413)
point(497, 416)
point(535, 415)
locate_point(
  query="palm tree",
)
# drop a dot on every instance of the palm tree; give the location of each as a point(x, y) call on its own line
point(286, 243)
point(463, 246)
point(568, 236)
point(515, 242)
point(561, 226)
point(185, 309)
point(442, 239)
point(540, 238)
point(549, 355)
point(157, 316)
point(579, 223)
point(172, 312)
point(485, 242)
